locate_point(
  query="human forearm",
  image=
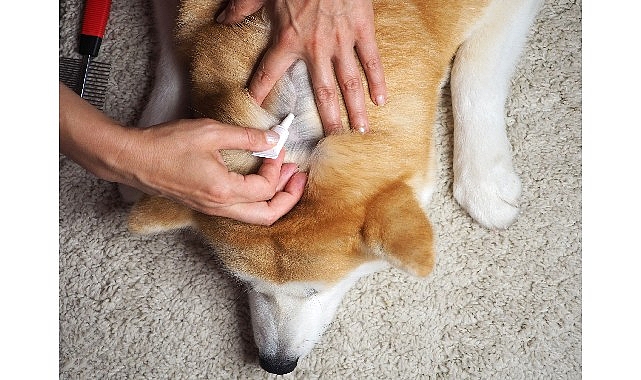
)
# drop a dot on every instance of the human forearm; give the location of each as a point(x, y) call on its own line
point(90, 138)
point(181, 160)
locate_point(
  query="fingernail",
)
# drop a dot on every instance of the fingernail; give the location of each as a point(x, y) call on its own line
point(380, 100)
point(221, 16)
point(362, 130)
point(272, 137)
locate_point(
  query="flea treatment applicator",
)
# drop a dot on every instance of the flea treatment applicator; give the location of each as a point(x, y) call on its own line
point(283, 131)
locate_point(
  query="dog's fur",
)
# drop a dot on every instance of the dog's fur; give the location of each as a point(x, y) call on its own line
point(363, 207)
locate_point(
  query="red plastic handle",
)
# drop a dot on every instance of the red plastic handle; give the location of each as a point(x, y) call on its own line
point(95, 17)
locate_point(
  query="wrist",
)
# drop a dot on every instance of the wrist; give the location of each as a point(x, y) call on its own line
point(99, 149)
point(114, 155)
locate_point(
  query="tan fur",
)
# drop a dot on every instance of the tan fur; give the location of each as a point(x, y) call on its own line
point(159, 214)
point(360, 202)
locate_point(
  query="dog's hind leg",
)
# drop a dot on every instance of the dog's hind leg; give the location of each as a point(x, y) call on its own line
point(485, 183)
point(168, 99)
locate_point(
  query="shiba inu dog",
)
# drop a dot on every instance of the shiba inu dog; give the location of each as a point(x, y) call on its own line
point(363, 207)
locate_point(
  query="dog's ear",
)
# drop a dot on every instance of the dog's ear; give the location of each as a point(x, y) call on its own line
point(154, 214)
point(397, 229)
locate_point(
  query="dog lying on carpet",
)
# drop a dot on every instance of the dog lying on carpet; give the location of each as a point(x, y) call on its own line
point(363, 207)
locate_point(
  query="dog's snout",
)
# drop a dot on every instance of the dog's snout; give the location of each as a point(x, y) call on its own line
point(278, 366)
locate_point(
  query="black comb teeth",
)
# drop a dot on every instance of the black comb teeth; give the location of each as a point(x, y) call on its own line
point(90, 85)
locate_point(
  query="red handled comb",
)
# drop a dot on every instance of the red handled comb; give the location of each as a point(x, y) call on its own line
point(94, 22)
point(89, 78)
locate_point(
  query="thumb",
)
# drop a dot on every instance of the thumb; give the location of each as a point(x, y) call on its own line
point(251, 139)
point(237, 10)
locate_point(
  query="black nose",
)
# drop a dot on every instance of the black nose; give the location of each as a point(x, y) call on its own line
point(278, 366)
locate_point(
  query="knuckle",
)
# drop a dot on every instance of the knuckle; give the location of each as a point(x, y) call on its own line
point(240, 8)
point(218, 194)
point(332, 127)
point(252, 137)
point(269, 192)
point(211, 211)
point(372, 64)
point(208, 128)
point(263, 76)
point(325, 95)
point(317, 48)
point(287, 38)
point(269, 218)
point(344, 39)
point(234, 9)
point(352, 84)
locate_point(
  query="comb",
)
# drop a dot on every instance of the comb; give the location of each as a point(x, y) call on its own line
point(86, 76)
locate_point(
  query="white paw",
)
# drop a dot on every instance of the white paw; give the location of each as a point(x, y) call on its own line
point(129, 194)
point(490, 195)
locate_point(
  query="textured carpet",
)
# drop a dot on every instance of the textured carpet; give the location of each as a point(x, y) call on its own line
point(500, 305)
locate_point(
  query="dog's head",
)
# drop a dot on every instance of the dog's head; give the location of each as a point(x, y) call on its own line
point(298, 270)
point(288, 319)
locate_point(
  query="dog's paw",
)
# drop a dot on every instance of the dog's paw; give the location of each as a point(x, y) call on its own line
point(490, 195)
point(129, 194)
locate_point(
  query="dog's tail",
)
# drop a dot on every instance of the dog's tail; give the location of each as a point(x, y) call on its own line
point(157, 214)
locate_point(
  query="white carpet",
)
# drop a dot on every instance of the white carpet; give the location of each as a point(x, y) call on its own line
point(499, 305)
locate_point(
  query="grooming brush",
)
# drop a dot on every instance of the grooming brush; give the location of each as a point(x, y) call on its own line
point(86, 76)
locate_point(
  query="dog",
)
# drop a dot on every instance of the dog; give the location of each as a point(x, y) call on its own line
point(363, 209)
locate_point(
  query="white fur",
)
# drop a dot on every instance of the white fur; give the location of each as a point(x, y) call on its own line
point(289, 319)
point(169, 96)
point(485, 183)
point(297, 96)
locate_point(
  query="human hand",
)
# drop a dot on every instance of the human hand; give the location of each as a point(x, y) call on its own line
point(323, 33)
point(181, 160)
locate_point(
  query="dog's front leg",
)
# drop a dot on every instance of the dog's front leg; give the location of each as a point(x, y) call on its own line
point(168, 99)
point(485, 183)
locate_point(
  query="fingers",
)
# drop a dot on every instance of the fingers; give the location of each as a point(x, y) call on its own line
point(270, 178)
point(349, 80)
point(367, 50)
point(280, 57)
point(255, 140)
point(287, 171)
point(273, 65)
point(266, 196)
point(326, 96)
point(237, 10)
point(267, 212)
point(371, 62)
